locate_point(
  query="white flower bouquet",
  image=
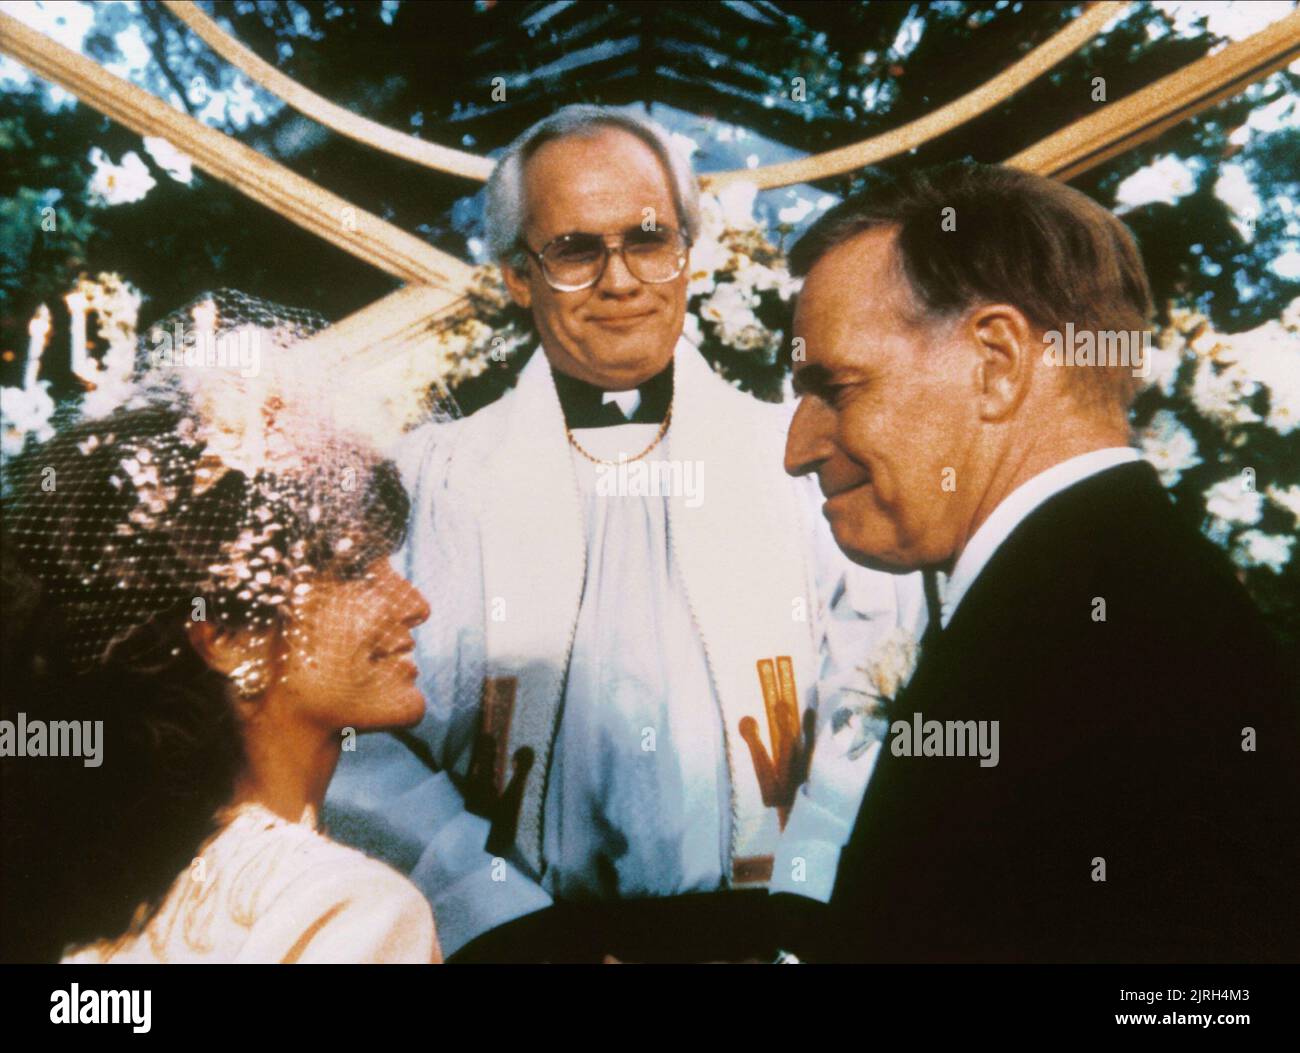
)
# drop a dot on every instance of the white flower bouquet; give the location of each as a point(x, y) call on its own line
point(1220, 421)
point(884, 677)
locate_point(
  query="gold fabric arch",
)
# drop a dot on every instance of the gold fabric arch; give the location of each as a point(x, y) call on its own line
point(322, 111)
point(400, 322)
point(819, 166)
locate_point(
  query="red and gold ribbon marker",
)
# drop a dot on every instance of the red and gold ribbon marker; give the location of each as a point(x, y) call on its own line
point(782, 772)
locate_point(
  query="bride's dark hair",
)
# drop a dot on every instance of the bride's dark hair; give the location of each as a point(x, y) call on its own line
point(85, 848)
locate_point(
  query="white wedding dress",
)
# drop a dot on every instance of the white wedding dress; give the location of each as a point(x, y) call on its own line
point(264, 889)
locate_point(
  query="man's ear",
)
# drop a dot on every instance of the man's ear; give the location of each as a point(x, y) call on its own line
point(222, 651)
point(1006, 347)
point(521, 290)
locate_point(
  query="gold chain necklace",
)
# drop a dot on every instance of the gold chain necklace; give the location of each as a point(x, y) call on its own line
point(663, 430)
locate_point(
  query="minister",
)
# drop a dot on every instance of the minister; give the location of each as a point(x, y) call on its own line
point(623, 690)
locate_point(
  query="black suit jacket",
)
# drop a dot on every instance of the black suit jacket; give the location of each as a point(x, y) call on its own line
point(1120, 744)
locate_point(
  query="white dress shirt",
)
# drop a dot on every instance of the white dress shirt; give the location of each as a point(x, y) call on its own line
point(627, 401)
point(1013, 510)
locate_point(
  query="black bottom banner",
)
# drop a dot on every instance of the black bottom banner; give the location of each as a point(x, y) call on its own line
point(350, 1002)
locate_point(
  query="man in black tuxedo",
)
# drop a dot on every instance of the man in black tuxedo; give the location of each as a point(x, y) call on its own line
point(1139, 800)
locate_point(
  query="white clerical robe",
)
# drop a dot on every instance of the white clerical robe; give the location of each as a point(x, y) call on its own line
point(639, 796)
point(736, 585)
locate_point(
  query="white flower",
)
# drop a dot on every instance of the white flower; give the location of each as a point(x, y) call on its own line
point(756, 276)
point(1234, 189)
point(890, 669)
point(1183, 319)
point(730, 306)
point(1169, 446)
point(701, 284)
point(1267, 355)
point(747, 338)
point(1269, 337)
point(110, 391)
point(1236, 21)
point(1232, 501)
point(1288, 499)
point(708, 256)
point(1287, 265)
point(25, 411)
point(742, 332)
point(712, 224)
point(762, 278)
point(731, 208)
point(178, 165)
point(117, 305)
point(1284, 403)
point(1271, 356)
point(1220, 391)
point(1164, 368)
point(1254, 548)
point(1203, 340)
point(1291, 316)
point(118, 184)
point(477, 331)
point(893, 664)
point(737, 202)
point(1166, 179)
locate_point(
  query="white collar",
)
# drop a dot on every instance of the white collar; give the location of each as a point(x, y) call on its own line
point(627, 401)
point(1013, 509)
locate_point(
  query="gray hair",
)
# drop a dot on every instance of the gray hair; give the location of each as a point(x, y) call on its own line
point(504, 209)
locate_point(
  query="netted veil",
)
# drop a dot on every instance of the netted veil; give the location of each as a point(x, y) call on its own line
point(231, 470)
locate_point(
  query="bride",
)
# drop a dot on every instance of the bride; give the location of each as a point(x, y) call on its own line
point(220, 597)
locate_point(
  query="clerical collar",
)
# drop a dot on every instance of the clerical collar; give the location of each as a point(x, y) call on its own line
point(587, 406)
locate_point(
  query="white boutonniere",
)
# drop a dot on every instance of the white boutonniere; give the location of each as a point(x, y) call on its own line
point(883, 679)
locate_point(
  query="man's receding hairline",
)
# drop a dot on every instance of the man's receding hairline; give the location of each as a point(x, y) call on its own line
point(905, 297)
point(588, 133)
point(847, 242)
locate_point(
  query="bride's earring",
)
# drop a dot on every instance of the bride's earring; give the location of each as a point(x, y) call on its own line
point(249, 678)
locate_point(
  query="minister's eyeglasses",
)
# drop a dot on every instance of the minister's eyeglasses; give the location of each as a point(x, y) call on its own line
point(577, 261)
